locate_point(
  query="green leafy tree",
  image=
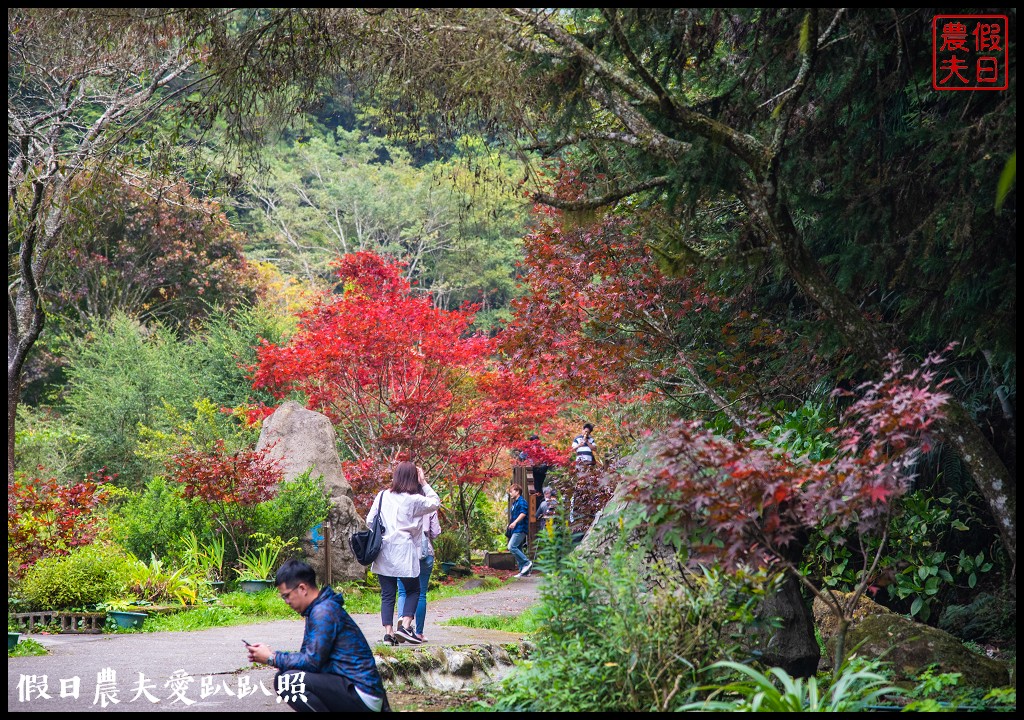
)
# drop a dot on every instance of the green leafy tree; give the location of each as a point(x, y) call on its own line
point(456, 228)
point(120, 376)
point(804, 142)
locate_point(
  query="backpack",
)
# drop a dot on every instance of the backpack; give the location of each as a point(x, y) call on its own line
point(366, 544)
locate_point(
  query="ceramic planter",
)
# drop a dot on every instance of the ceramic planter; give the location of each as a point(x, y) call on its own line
point(125, 619)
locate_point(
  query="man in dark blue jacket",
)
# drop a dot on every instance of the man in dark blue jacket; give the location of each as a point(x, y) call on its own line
point(518, 529)
point(335, 670)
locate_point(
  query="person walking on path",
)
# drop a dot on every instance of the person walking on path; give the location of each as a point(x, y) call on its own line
point(431, 529)
point(335, 670)
point(402, 507)
point(518, 527)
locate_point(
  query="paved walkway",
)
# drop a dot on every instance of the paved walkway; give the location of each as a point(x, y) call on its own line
point(207, 670)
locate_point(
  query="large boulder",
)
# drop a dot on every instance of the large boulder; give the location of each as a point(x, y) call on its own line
point(302, 440)
point(909, 646)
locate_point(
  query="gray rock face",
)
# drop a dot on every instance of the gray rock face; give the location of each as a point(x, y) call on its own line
point(301, 440)
point(908, 646)
point(449, 668)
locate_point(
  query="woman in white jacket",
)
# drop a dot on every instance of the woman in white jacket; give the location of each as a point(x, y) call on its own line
point(402, 508)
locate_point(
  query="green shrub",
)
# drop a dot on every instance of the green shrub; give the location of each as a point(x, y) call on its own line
point(120, 375)
point(299, 505)
point(917, 571)
point(988, 618)
point(942, 692)
point(157, 520)
point(449, 547)
point(608, 643)
point(45, 439)
point(487, 524)
point(156, 582)
point(87, 576)
point(27, 647)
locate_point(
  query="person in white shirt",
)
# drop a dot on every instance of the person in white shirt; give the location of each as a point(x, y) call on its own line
point(402, 508)
point(431, 529)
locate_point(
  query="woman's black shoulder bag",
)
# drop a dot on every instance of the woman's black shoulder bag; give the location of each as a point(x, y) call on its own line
point(366, 544)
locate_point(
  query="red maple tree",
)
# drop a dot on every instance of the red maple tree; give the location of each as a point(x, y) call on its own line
point(401, 378)
point(743, 501)
point(609, 313)
point(152, 249)
point(231, 482)
point(46, 518)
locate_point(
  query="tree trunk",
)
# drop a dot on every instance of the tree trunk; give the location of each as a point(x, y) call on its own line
point(13, 396)
point(24, 323)
point(793, 646)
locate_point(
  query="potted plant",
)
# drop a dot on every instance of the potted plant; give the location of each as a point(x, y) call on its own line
point(213, 562)
point(447, 550)
point(256, 567)
point(120, 613)
point(155, 582)
point(206, 560)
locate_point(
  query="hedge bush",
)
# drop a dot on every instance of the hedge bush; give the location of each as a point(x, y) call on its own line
point(89, 575)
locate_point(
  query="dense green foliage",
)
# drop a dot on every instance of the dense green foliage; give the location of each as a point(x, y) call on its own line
point(158, 520)
point(27, 647)
point(87, 576)
point(858, 687)
point(155, 252)
point(607, 642)
point(131, 387)
point(119, 377)
point(328, 193)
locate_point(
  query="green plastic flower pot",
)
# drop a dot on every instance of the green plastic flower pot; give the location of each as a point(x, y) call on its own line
point(255, 586)
point(12, 640)
point(124, 619)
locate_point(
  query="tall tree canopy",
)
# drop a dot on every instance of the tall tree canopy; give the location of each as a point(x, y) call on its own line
point(81, 84)
point(806, 141)
point(402, 378)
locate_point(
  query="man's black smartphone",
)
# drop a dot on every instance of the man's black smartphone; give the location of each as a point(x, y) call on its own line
point(246, 643)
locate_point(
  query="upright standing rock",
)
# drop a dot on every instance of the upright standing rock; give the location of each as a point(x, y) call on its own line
point(301, 440)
